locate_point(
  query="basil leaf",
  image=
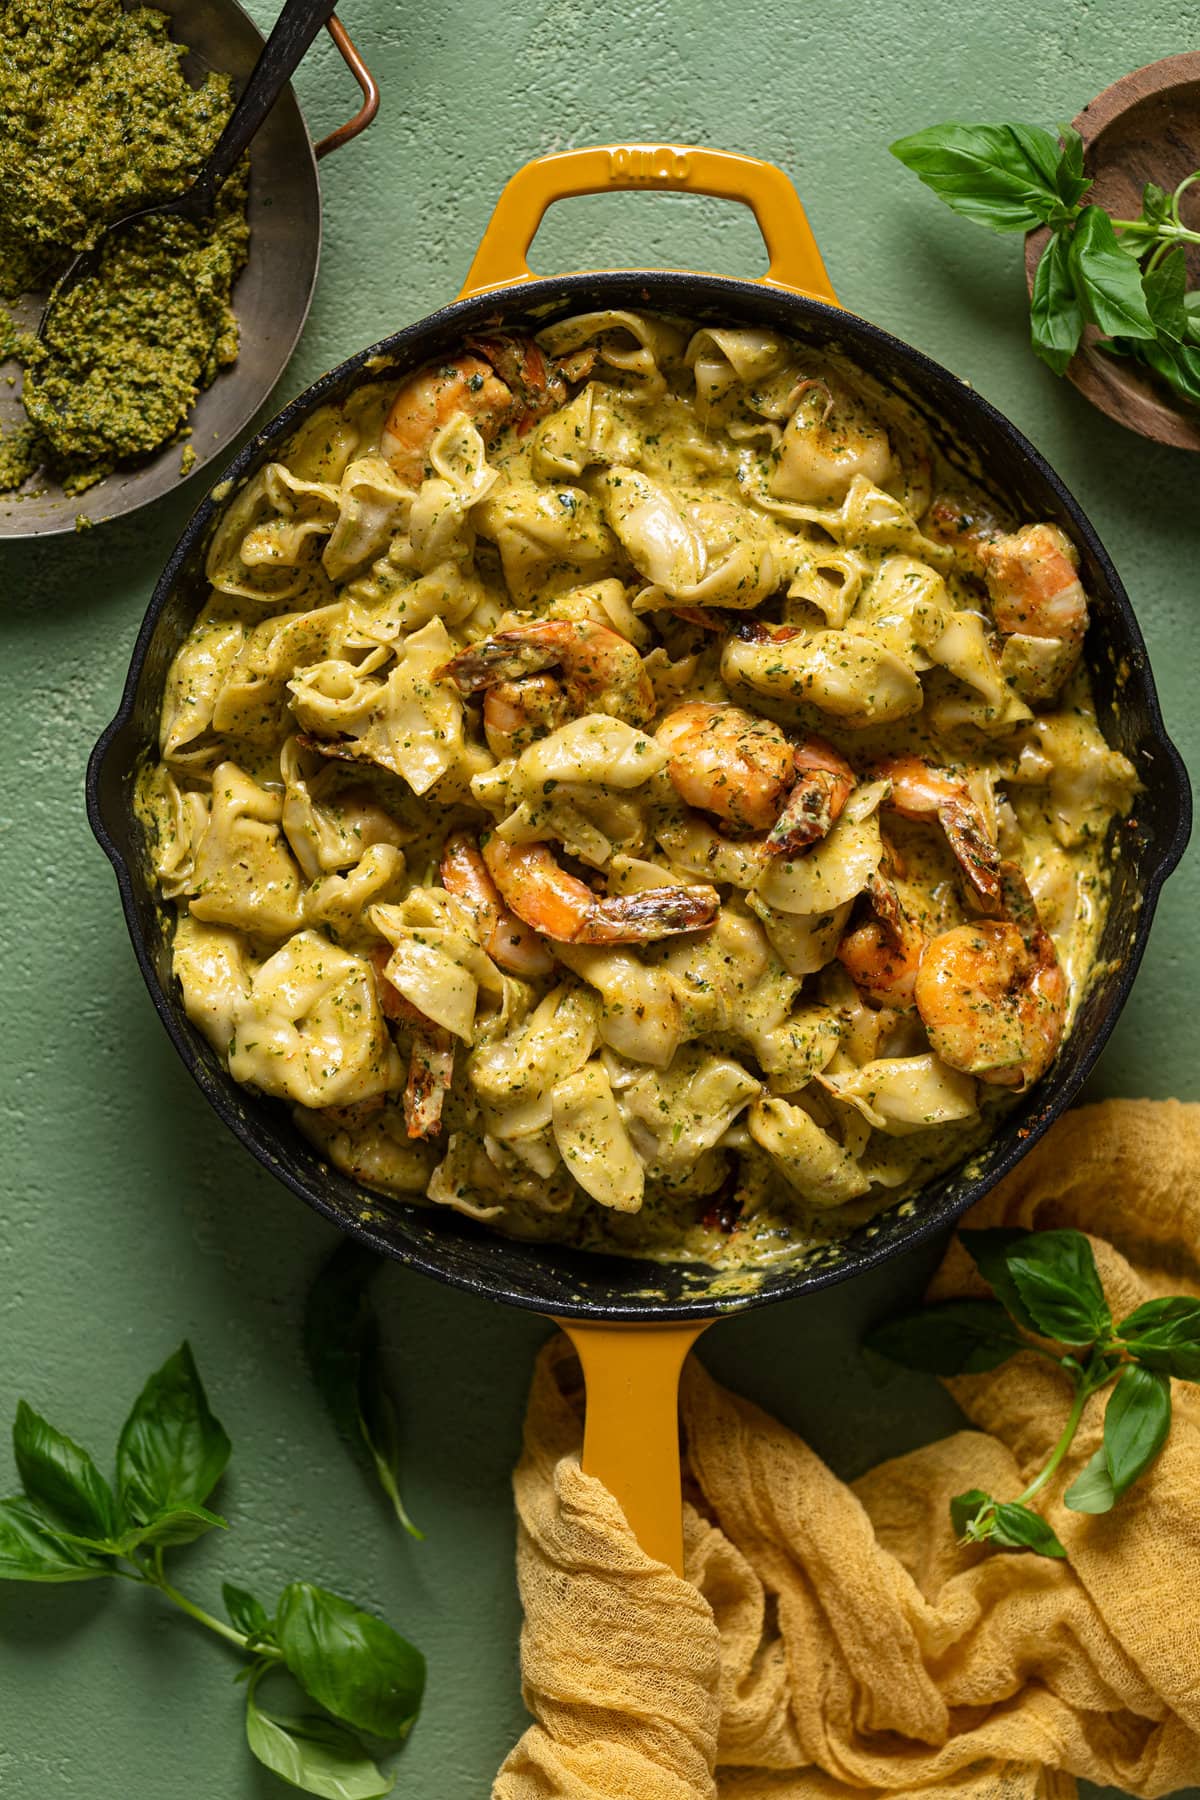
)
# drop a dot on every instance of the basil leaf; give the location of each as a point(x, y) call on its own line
point(1165, 1334)
point(966, 1508)
point(1108, 278)
point(61, 1478)
point(1191, 308)
point(357, 1667)
point(1001, 176)
point(1092, 1489)
point(1164, 288)
point(342, 1348)
point(989, 1251)
point(1055, 317)
point(180, 1525)
point(1069, 178)
point(1055, 1274)
point(246, 1614)
point(314, 1755)
point(172, 1451)
point(1020, 1528)
point(961, 1337)
point(1136, 1422)
point(1176, 364)
point(31, 1549)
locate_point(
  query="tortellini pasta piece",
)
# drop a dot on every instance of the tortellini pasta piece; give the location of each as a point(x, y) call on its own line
point(590, 429)
point(1086, 781)
point(437, 963)
point(212, 968)
point(677, 1114)
point(409, 721)
point(372, 500)
point(310, 1028)
point(636, 345)
point(594, 749)
point(903, 1094)
point(341, 903)
point(810, 1161)
point(244, 872)
point(829, 441)
point(641, 1010)
point(374, 1149)
point(176, 819)
point(549, 539)
point(330, 828)
point(266, 535)
point(724, 361)
point(512, 1076)
point(592, 1139)
point(847, 674)
point(197, 676)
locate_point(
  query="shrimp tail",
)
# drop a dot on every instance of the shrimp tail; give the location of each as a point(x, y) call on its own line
point(974, 850)
point(430, 1074)
point(653, 913)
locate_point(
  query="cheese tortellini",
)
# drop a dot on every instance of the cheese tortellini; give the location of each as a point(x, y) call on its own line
point(624, 786)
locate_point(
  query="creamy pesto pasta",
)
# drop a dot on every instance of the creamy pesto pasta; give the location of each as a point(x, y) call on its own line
point(623, 786)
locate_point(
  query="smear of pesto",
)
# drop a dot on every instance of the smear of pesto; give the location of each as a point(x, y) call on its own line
point(96, 118)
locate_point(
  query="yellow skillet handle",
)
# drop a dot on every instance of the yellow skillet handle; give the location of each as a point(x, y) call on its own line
point(631, 1432)
point(794, 262)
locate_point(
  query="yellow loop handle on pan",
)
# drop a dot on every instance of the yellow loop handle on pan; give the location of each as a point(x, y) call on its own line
point(631, 1435)
point(793, 260)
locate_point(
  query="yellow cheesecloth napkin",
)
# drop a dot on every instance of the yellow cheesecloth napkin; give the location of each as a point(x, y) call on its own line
point(834, 1640)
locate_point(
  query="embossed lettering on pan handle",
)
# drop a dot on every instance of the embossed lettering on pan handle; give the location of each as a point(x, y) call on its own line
point(794, 262)
point(631, 1431)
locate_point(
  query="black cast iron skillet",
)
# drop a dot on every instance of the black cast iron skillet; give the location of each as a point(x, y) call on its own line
point(631, 1373)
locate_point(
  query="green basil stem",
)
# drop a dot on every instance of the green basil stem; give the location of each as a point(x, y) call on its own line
point(155, 1576)
point(1089, 1383)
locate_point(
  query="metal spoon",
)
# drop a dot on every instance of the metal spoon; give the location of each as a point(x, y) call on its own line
point(295, 29)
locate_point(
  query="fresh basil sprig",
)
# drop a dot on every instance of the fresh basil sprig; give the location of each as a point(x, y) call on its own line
point(1047, 1287)
point(342, 1349)
point(72, 1524)
point(1125, 276)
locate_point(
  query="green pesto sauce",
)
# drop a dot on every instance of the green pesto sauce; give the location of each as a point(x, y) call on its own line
point(97, 118)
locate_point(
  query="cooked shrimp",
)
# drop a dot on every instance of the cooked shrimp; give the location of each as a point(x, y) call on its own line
point(728, 762)
point(432, 397)
point(883, 953)
point(748, 773)
point(992, 996)
point(431, 1059)
point(565, 909)
point(600, 671)
point(827, 442)
point(824, 783)
point(430, 1074)
point(527, 371)
point(505, 937)
point(517, 712)
point(963, 526)
point(1034, 586)
point(920, 791)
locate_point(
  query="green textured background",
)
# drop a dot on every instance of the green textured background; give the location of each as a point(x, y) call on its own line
point(129, 1218)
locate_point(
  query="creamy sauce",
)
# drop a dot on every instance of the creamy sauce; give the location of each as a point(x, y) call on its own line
point(765, 531)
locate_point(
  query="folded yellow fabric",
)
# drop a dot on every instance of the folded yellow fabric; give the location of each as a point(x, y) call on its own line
point(834, 1640)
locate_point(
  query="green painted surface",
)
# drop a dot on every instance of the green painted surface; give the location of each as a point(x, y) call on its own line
point(129, 1219)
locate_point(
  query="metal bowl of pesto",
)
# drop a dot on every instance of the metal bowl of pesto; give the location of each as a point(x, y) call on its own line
point(271, 297)
point(584, 1284)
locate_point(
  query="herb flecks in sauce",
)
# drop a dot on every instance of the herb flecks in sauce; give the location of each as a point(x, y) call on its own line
point(97, 119)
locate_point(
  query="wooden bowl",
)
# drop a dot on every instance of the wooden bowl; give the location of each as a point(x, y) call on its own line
point(1146, 127)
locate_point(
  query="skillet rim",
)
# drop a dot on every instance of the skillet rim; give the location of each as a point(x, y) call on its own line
point(1049, 1099)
